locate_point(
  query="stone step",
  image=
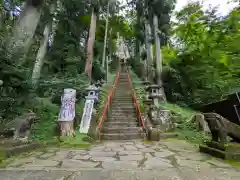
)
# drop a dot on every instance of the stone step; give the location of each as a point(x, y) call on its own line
point(121, 136)
point(123, 88)
point(120, 129)
point(122, 98)
point(123, 101)
point(123, 80)
point(122, 109)
point(115, 102)
point(124, 112)
point(123, 115)
point(123, 106)
point(123, 91)
point(120, 124)
point(120, 118)
point(123, 85)
point(122, 95)
point(115, 113)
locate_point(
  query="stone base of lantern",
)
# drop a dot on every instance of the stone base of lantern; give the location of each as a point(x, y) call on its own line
point(67, 128)
point(161, 119)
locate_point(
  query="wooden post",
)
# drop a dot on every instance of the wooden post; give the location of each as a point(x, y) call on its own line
point(67, 113)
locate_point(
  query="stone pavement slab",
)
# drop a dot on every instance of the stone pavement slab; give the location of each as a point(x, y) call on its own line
point(163, 160)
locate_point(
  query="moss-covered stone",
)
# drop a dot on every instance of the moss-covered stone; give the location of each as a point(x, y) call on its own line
point(233, 147)
point(154, 134)
point(216, 145)
point(218, 150)
point(167, 135)
point(6, 152)
point(212, 151)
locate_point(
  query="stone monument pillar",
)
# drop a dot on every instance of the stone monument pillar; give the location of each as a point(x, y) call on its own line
point(67, 113)
point(91, 99)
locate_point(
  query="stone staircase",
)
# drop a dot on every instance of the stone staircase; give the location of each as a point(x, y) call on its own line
point(122, 122)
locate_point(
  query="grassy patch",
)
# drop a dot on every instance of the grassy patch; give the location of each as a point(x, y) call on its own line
point(191, 135)
point(77, 141)
point(44, 128)
point(233, 163)
point(69, 142)
point(186, 129)
point(184, 113)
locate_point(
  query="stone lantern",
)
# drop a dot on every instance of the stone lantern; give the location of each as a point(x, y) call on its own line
point(93, 93)
point(146, 84)
point(160, 117)
point(98, 84)
point(91, 99)
point(156, 94)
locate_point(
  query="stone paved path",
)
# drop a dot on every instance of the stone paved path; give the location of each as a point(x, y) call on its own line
point(121, 160)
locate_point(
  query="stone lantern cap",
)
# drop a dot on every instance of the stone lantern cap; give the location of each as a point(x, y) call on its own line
point(154, 86)
point(146, 83)
point(93, 92)
point(93, 88)
point(98, 84)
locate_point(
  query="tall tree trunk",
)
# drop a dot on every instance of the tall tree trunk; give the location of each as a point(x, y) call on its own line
point(137, 50)
point(158, 54)
point(105, 38)
point(42, 50)
point(149, 50)
point(2, 16)
point(91, 39)
point(24, 29)
point(107, 69)
point(158, 50)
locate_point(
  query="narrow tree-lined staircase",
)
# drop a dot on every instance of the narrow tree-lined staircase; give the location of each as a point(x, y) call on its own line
point(122, 122)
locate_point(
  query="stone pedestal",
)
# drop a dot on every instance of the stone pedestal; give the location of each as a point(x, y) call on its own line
point(147, 103)
point(230, 151)
point(161, 118)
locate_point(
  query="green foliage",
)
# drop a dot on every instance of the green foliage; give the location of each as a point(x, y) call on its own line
point(137, 66)
point(139, 90)
point(200, 66)
point(178, 110)
point(78, 141)
point(186, 128)
point(103, 97)
point(44, 128)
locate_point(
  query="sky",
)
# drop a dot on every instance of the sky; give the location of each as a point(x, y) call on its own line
point(224, 7)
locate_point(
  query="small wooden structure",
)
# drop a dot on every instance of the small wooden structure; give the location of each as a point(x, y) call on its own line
point(67, 113)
